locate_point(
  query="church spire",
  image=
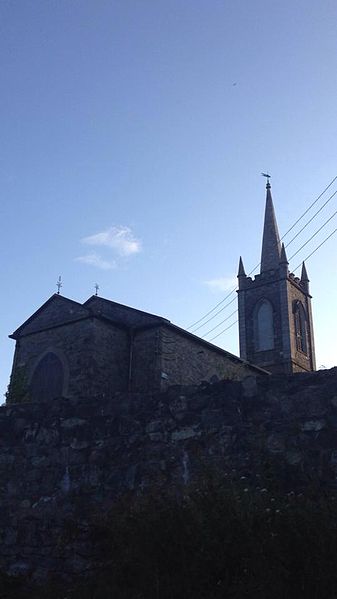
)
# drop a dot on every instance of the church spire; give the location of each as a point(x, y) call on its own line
point(271, 246)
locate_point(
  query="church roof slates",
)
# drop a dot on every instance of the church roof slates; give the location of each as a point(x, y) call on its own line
point(121, 314)
point(57, 310)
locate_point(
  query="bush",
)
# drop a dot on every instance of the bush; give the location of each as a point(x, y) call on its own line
point(213, 543)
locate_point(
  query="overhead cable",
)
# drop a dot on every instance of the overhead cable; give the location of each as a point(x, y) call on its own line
point(216, 314)
point(210, 312)
point(220, 323)
point(311, 205)
point(254, 269)
point(312, 218)
point(224, 330)
point(315, 250)
point(298, 266)
point(314, 235)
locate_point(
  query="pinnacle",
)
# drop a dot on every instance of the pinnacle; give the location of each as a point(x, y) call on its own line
point(241, 272)
point(304, 274)
point(283, 257)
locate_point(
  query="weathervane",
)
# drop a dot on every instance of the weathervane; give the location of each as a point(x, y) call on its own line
point(268, 177)
point(59, 285)
point(96, 288)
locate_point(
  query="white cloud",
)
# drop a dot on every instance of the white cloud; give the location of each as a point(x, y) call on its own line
point(118, 238)
point(222, 283)
point(97, 261)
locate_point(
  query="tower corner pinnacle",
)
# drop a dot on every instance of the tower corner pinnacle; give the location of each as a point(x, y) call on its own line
point(241, 271)
point(304, 278)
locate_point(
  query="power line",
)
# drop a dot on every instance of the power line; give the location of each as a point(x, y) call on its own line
point(311, 205)
point(312, 218)
point(224, 330)
point(216, 314)
point(219, 304)
point(220, 323)
point(254, 269)
point(315, 250)
point(210, 312)
point(314, 235)
point(298, 266)
point(295, 254)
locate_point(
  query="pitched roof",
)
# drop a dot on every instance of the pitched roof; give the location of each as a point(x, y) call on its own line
point(59, 310)
point(55, 311)
point(121, 314)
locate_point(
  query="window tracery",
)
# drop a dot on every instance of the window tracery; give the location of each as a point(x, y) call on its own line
point(300, 319)
point(264, 326)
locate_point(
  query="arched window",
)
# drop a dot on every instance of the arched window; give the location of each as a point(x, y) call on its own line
point(264, 326)
point(300, 319)
point(48, 378)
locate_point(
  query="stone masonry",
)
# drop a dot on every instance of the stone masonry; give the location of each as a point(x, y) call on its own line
point(101, 347)
point(275, 319)
point(64, 463)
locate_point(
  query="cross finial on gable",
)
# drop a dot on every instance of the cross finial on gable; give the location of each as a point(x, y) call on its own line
point(59, 285)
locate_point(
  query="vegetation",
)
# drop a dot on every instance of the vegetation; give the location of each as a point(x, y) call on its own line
point(17, 388)
point(216, 542)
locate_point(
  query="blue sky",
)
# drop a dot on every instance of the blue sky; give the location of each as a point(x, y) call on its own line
point(133, 137)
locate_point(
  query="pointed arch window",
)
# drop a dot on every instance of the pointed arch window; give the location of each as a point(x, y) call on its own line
point(300, 321)
point(264, 326)
point(48, 378)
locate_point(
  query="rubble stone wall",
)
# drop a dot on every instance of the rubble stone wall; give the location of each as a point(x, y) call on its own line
point(64, 463)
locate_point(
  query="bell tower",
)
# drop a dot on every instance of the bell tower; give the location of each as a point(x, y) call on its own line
point(275, 320)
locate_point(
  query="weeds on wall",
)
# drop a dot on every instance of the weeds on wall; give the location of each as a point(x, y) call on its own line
point(17, 388)
point(215, 542)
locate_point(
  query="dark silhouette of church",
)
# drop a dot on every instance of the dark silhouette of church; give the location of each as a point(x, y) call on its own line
point(275, 320)
point(101, 347)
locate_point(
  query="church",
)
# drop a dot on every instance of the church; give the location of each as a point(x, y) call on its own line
point(100, 347)
point(275, 319)
point(95, 349)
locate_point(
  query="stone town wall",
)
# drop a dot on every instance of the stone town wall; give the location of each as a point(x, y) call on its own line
point(64, 463)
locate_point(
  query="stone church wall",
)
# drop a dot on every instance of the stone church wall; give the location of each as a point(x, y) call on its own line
point(146, 374)
point(110, 358)
point(71, 342)
point(63, 464)
point(185, 361)
point(256, 291)
point(301, 361)
point(94, 356)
